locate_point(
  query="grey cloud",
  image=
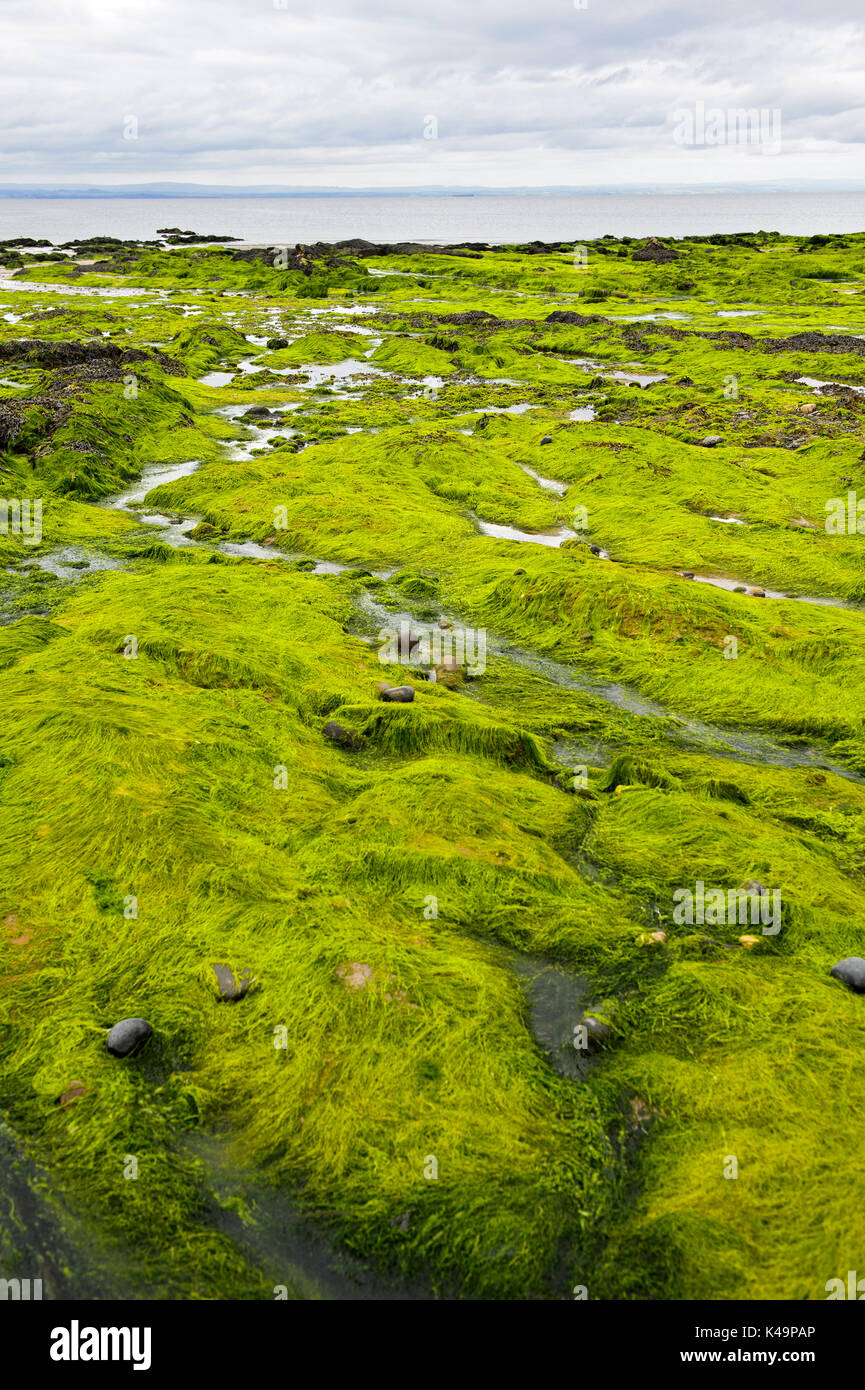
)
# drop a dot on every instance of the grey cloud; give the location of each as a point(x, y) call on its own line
point(236, 86)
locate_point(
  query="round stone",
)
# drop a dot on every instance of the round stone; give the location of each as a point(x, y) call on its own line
point(127, 1036)
point(398, 695)
point(851, 972)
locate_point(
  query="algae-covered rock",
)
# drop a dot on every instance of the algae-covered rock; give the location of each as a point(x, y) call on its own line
point(339, 734)
point(231, 986)
point(655, 250)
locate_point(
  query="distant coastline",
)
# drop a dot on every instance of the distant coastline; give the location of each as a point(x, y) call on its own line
point(195, 190)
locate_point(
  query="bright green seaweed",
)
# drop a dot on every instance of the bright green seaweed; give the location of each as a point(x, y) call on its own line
point(169, 800)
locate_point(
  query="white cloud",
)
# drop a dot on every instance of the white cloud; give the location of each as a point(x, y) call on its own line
point(241, 91)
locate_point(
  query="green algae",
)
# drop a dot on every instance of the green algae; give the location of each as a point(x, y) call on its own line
point(169, 798)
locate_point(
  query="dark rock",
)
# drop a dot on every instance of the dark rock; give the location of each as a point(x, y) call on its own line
point(547, 439)
point(127, 1036)
point(337, 733)
point(24, 241)
point(597, 1031)
point(256, 412)
point(851, 972)
point(655, 250)
point(471, 316)
point(568, 316)
point(57, 354)
point(174, 236)
point(398, 694)
point(99, 357)
point(276, 343)
point(230, 987)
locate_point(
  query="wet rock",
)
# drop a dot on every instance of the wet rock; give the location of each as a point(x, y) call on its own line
point(128, 1036)
point(57, 354)
point(229, 986)
point(202, 532)
point(74, 1092)
point(851, 972)
point(711, 441)
point(345, 738)
point(398, 694)
point(655, 250)
point(256, 412)
point(471, 316)
point(598, 1031)
point(756, 593)
point(276, 343)
point(449, 674)
point(686, 574)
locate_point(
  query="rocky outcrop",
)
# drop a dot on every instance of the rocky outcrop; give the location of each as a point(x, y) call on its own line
point(44, 352)
point(655, 250)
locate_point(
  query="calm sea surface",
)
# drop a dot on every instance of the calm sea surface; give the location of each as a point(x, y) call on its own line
point(432, 219)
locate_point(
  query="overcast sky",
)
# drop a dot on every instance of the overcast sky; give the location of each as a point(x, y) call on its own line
point(342, 92)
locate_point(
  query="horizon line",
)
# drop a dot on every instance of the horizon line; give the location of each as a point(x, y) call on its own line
point(168, 189)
